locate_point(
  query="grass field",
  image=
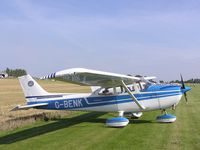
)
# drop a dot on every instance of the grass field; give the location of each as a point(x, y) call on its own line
point(11, 95)
point(87, 130)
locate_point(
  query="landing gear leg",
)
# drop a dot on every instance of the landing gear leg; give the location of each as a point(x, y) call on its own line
point(173, 107)
point(121, 113)
point(163, 111)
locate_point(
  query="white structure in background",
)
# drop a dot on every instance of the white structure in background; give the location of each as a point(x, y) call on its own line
point(3, 75)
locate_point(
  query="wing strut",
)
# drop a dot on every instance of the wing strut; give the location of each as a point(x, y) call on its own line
point(133, 97)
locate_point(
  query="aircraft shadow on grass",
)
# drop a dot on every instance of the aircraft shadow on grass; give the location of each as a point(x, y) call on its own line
point(59, 124)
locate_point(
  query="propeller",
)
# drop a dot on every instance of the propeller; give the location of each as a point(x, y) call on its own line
point(183, 87)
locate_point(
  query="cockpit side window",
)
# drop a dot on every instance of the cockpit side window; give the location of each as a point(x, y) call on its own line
point(106, 91)
point(114, 90)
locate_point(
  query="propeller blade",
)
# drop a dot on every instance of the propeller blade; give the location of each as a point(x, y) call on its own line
point(185, 95)
point(182, 83)
point(183, 87)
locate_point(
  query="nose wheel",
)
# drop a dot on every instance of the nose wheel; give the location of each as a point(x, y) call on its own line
point(165, 117)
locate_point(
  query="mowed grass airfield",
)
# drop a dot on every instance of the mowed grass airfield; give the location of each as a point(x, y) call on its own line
point(87, 130)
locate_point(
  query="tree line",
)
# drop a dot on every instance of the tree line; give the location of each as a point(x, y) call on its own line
point(15, 72)
point(193, 80)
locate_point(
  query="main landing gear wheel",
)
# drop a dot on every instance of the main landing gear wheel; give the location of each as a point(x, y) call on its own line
point(136, 115)
point(117, 122)
point(166, 118)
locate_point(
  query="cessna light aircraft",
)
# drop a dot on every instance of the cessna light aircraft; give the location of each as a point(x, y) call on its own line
point(110, 93)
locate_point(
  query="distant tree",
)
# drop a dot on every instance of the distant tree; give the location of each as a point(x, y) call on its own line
point(187, 81)
point(15, 72)
point(7, 70)
point(139, 76)
point(161, 81)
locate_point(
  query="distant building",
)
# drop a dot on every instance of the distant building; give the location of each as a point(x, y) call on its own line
point(3, 75)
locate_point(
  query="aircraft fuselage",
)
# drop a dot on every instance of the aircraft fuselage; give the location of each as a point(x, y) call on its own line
point(153, 99)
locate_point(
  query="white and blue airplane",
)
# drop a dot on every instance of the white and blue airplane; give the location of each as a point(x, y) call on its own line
point(111, 92)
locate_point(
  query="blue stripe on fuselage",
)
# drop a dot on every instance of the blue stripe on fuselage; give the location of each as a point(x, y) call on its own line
point(75, 103)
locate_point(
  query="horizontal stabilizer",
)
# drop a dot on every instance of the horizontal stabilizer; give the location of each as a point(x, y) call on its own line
point(25, 107)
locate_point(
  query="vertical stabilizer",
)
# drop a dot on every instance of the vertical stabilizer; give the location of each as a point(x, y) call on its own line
point(31, 87)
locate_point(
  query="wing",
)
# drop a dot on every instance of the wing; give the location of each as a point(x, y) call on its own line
point(92, 77)
point(96, 78)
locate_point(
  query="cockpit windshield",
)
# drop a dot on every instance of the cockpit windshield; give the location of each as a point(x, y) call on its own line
point(145, 85)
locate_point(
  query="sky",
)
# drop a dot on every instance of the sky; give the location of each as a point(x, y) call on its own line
point(147, 37)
